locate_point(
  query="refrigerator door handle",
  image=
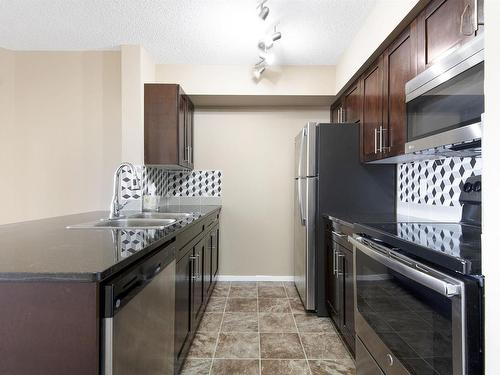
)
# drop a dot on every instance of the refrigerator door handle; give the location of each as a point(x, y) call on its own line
point(300, 202)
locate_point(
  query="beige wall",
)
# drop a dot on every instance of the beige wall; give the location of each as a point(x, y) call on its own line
point(137, 68)
point(254, 149)
point(238, 80)
point(491, 181)
point(380, 22)
point(59, 132)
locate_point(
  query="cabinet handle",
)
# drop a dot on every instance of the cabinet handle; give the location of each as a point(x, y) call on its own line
point(381, 135)
point(375, 136)
point(474, 28)
point(335, 263)
point(195, 268)
point(339, 257)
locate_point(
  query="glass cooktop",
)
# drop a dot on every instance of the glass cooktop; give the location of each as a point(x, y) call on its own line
point(454, 246)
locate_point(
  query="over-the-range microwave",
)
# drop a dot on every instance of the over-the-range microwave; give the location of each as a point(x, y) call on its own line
point(444, 106)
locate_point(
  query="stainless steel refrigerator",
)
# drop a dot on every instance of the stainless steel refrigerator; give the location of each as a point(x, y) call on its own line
point(330, 179)
point(305, 215)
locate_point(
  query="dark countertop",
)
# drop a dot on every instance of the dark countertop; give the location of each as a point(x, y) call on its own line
point(45, 250)
point(451, 246)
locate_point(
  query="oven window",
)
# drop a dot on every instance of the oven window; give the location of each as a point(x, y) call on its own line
point(457, 102)
point(413, 321)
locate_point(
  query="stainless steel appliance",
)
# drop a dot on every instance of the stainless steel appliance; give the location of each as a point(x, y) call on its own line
point(330, 179)
point(444, 104)
point(305, 215)
point(419, 294)
point(138, 319)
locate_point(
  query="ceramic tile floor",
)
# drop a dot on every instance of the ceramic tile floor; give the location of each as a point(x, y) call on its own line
point(262, 329)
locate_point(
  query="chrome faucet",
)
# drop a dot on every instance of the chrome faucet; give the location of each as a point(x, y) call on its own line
point(115, 201)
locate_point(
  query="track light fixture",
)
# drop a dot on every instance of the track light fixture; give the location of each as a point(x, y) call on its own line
point(263, 10)
point(265, 44)
point(269, 40)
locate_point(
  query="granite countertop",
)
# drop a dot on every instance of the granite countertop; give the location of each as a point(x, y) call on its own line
point(45, 250)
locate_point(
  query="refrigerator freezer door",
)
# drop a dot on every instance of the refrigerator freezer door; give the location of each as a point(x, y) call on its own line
point(304, 240)
point(310, 150)
point(305, 151)
point(300, 153)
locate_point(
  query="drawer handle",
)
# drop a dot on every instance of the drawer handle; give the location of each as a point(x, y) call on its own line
point(390, 360)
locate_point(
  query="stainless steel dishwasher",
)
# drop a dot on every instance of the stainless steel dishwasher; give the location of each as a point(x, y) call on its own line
point(138, 322)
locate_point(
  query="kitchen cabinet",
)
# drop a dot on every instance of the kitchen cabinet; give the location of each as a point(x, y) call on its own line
point(207, 266)
point(400, 65)
point(350, 107)
point(168, 126)
point(340, 287)
point(197, 281)
point(445, 25)
point(346, 109)
point(196, 275)
point(372, 112)
point(377, 98)
point(182, 303)
point(214, 241)
point(336, 112)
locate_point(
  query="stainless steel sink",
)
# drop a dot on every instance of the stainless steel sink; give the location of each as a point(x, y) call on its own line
point(126, 223)
point(161, 215)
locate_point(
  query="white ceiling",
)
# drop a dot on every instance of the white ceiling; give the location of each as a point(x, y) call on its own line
point(185, 31)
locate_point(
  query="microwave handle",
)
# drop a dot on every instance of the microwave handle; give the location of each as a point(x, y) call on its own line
point(421, 274)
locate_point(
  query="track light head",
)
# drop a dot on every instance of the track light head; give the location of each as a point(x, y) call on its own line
point(263, 13)
point(258, 70)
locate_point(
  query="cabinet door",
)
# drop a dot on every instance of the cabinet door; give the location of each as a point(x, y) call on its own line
point(161, 124)
point(372, 115)
point(348, 329)
point(183, 134)
point(190, 135)
point(330, 278)
point(443, 26)
point(183, 272)
point(400, 65)
point(197, 283)
point(351, 105)
point(336, 112)
point(207, 266)
point(214, 240)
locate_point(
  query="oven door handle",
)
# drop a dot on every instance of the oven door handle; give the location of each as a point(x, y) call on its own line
point(430, 278)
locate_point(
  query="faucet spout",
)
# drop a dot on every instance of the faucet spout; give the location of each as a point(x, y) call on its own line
point(115, 200)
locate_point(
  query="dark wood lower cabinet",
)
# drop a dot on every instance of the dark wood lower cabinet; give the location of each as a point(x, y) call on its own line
point(340, 289)
point(182, 303)
point(196, 275)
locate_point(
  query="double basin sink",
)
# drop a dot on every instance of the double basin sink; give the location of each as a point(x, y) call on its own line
point(143, 220)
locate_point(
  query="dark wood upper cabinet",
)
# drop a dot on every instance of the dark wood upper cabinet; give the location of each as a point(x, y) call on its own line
point(335, 112)
point(445, 25)
point(400, 65)
point(351, 104)
point(168, 126)
point(372, 111)
point(347, 107)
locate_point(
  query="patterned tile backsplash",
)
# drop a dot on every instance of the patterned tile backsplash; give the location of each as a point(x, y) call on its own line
point(435, 182)
point(170, 183)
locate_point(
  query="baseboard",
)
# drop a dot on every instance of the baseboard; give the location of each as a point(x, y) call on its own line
point(254, 278)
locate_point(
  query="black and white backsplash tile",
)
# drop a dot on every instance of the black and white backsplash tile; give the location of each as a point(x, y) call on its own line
point(195, 183)
point(431, 187)
point(167, 183)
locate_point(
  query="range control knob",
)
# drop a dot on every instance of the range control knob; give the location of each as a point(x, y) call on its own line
point(467, 187)
point(477, 186)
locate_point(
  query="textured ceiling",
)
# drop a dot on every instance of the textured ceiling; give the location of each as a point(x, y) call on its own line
point(185, 31)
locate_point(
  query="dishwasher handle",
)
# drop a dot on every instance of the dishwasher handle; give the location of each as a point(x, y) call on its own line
point(125, 286)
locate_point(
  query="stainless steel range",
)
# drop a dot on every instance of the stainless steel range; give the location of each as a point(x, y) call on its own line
point(419, 294)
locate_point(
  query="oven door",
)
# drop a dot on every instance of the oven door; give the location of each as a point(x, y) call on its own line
point(410, 318)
